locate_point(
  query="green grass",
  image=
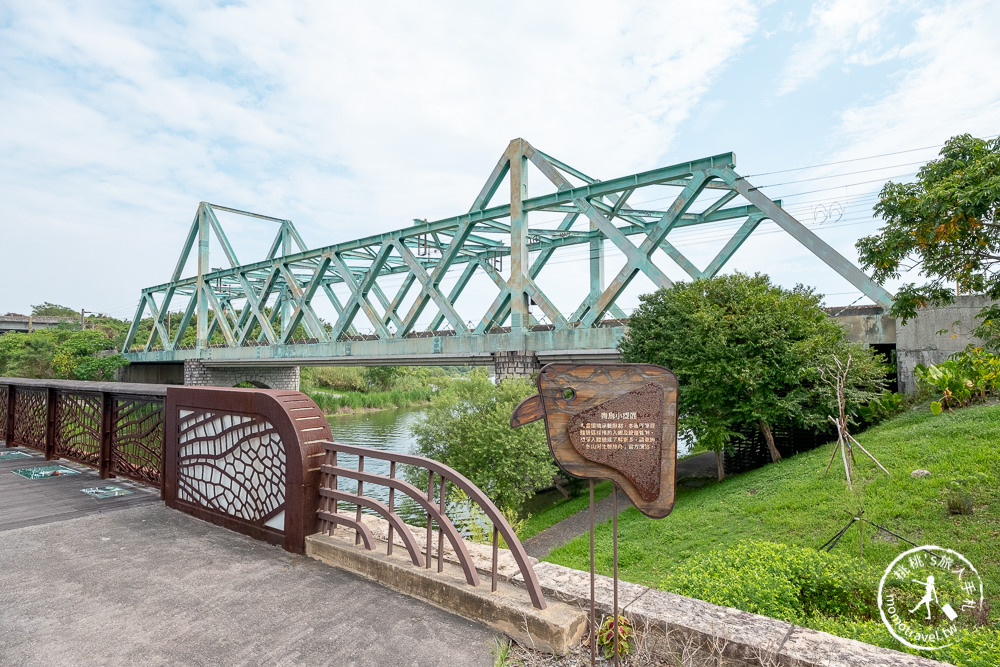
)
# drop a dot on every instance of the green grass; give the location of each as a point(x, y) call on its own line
point(793, 503)
point(561, 509)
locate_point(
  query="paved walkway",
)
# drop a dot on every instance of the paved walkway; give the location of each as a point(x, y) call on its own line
point(692, 470)
point(144, 584)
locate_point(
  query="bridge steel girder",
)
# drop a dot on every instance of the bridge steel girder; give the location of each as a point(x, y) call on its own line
point(262, 310)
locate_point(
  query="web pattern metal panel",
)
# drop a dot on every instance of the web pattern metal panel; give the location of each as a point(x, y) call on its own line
point(137, 439)
point(78, 427)
point(232, 464)
point(30, 413)
point(4, 398)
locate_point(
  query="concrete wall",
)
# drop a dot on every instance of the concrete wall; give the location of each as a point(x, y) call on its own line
point(919, 341)
point(516, 364)
point(866, 324)
point(28, 323)
point(151, 373)
point(197, 373)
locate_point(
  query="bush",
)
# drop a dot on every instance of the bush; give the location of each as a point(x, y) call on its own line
point(777, 580)
point(467, 427)
point(966, 377)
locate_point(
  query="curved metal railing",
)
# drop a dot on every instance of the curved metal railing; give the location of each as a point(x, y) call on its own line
point(438, 475)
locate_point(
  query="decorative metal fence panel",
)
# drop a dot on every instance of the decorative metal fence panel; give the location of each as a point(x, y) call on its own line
point(114, 427)
point(30, 412)
point(4, 398)
point(137, 439)
point(233, 464)
point(246, 459)
point(78, 427)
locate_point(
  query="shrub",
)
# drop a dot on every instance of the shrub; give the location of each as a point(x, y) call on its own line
point(777, 580)
point(467, 427)
point(965, 377)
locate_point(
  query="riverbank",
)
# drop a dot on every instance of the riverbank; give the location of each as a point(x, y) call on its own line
point(794, 504)
point(349, 402)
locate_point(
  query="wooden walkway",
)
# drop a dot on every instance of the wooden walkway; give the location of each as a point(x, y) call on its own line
point(29, 502)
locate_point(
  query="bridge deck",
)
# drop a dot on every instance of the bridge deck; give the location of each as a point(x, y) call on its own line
point(145, 584)
point(30, 502)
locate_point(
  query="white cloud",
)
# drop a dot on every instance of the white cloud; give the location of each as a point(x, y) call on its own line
point(349, 119)
point(940, 95)
point(840, 30)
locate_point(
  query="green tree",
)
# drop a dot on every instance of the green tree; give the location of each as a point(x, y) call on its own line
point(53, 310)
point(468, 428)
point(78, 357)
point(59, 353)
point(746, 352)
point(29, 355)
point(380, 378)
point(944, 224)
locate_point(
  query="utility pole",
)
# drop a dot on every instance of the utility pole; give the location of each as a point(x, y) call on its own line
point(83, 323)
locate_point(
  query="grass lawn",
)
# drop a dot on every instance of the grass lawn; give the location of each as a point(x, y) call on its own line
point(793, 503)
point(562, 508)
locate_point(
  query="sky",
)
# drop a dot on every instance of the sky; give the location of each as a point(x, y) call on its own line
point(118, 118)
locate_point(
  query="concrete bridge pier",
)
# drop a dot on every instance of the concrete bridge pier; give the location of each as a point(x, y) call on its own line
point(198, 373)
point(515, 364)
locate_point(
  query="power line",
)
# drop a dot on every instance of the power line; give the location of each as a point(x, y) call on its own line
point(830, 164)
point(849, 173)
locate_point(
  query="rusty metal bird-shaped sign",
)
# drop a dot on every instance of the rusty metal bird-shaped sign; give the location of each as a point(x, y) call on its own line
point(611, 421)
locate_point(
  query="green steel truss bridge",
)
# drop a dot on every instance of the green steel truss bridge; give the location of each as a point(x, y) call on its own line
point(271, 312)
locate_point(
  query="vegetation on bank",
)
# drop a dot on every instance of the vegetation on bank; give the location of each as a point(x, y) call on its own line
point(345, 389)
point(970, 376)
point(467, 427)
point(751, 542)
point(64, 352)
point(356, 401)
point(748, 353)
point(945, 225)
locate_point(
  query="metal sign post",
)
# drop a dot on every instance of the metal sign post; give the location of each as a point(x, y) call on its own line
point(615, 422)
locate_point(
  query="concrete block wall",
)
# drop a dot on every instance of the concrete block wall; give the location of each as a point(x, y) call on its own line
point(516, 364)
point(196, 373)
point(918, 342)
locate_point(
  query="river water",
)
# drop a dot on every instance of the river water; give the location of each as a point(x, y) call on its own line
point(386, 430)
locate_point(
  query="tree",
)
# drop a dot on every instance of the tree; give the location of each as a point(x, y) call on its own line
point(746, 352)
point(380, 378)
point(945, 224)
point(59, 353)
point(53, 310)
point(468, 428)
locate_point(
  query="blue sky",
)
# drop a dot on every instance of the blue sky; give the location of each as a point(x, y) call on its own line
point(117, 118)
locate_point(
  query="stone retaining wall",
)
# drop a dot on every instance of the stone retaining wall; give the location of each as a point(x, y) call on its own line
point(197, 374)
point(515, 364)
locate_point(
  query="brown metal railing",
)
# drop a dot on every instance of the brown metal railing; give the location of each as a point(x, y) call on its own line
point(439, 476)
point(246, 459)
point(114, 427)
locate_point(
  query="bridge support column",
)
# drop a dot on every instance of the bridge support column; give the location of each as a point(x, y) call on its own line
point(197, 373)
point(515, 364)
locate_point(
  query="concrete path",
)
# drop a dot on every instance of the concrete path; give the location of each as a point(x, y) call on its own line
point(152, 586)
point(695, 470)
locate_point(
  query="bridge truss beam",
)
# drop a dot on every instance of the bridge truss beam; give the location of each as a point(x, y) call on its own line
point(267, 310)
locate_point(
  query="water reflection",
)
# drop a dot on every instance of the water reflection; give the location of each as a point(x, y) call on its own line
point(385, 430)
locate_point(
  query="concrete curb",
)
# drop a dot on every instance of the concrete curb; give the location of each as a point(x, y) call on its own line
point(553, 629)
